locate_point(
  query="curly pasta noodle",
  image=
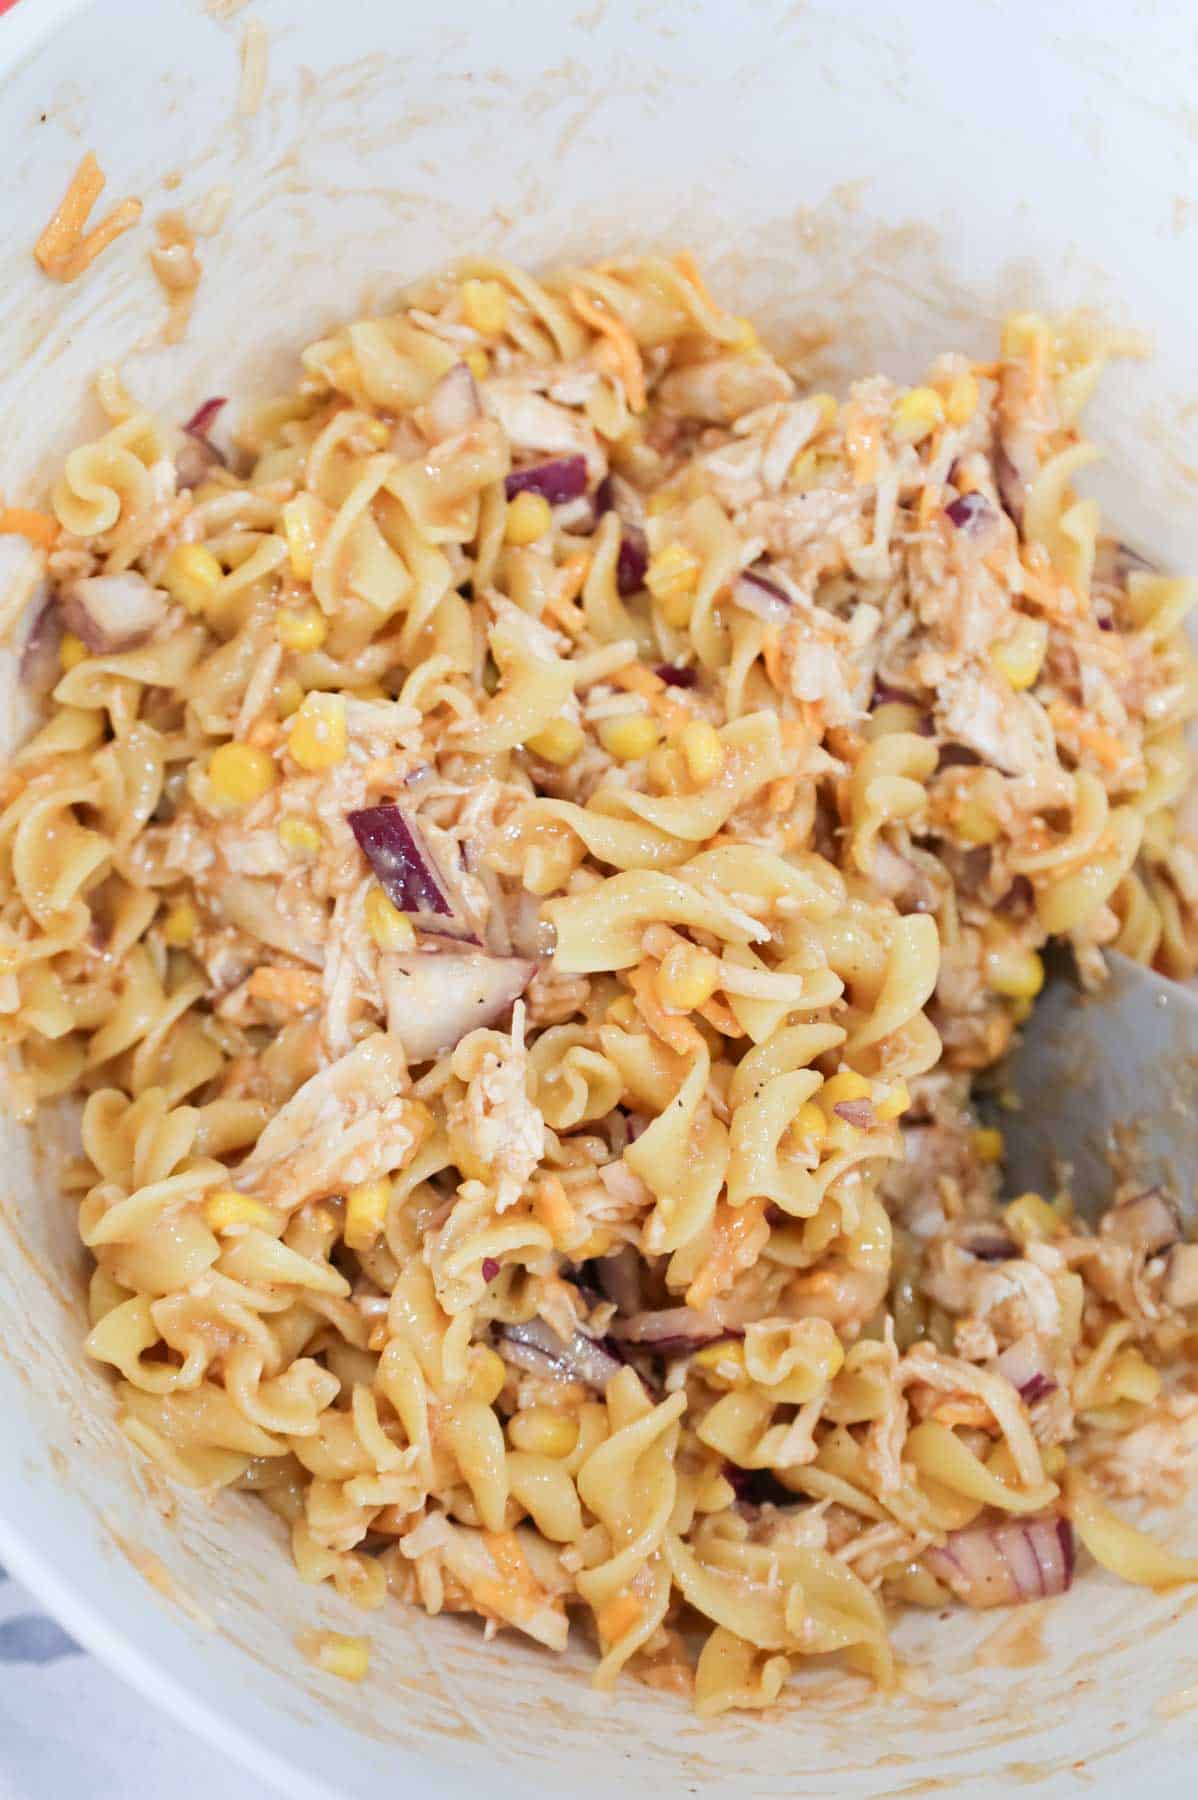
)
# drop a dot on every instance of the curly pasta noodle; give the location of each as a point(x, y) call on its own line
point(521, 864)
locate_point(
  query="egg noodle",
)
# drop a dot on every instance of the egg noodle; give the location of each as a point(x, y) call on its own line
point(522, 866)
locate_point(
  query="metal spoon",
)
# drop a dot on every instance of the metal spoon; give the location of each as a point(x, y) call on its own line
point(1105, 1079)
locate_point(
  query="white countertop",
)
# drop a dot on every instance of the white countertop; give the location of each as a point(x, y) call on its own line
point(71, 1730)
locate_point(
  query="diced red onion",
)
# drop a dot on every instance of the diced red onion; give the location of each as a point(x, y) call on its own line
point(858, 1113)
point(434, 999)
point(632, 561)
point(756, 594)
point(199, 454)
point(490, 1268)
point(1023, 1364)
point(39, 667)
point(205, 416)
point(1012, 489)
point(402, 864)
point(674, 676)
point(1006, 1564)
point(537, 1348)
point(563, 478)
point(670, 1330)
point(453, 405)
point(971, 513)
point(1145, 1222)
point(991, 1246)
point(112, 612)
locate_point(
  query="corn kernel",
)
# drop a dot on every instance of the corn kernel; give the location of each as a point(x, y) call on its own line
point(893, 1104)
point(1032, 1217)
point(318, 737)
point(962, 400)
point(543, 1430)
point(288, 695)
point(674, 570)
point(390, 928)
point(71, 651)
point(301, 627)
point(484, 306)
point(225, 1207)
point(987, 1143)
point(848, 1085)
point(1014, 972)
point(240, 774)
point(529, 517)
point(810, 1126)
point(191, 576)
point(478, 362)
point(916, 415)
point(701, 750)
point(179, 924)
point(1130, 1377)
point(629, 738)
point(558, 742)
point(746, 337)
point(976, 824)
point(725, 1360)
point(488, 1372)
point(687, 977)
point(299, 837)
point(1020, 655)
point(676, 610)
point(622, 1012)
point(343, 1656)
point(365, 1213)
point(377, 432)
point(299, 528)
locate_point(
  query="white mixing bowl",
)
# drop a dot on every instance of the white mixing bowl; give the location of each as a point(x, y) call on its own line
point(897, 177)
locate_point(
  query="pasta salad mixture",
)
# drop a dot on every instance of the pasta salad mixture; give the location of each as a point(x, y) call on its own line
point(523, 862)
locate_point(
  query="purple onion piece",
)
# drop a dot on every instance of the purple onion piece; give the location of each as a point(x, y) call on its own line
point(112, 612)
point(490, 1268)
point(39, 667)
point(1012, 490)
point(563, 478)
point(673, 1329)
point(454, 404)
point(632, 561)
point(757, 594)
point(205, 416)
point(199, 455)
point(403, 868)
point(970, 513)
point(673, 676)
point(1006, 1564)
point(992, 1248)
point(858, 1113)
point(537, 1348)
point(1023, 1365)
point(1145, 1221)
